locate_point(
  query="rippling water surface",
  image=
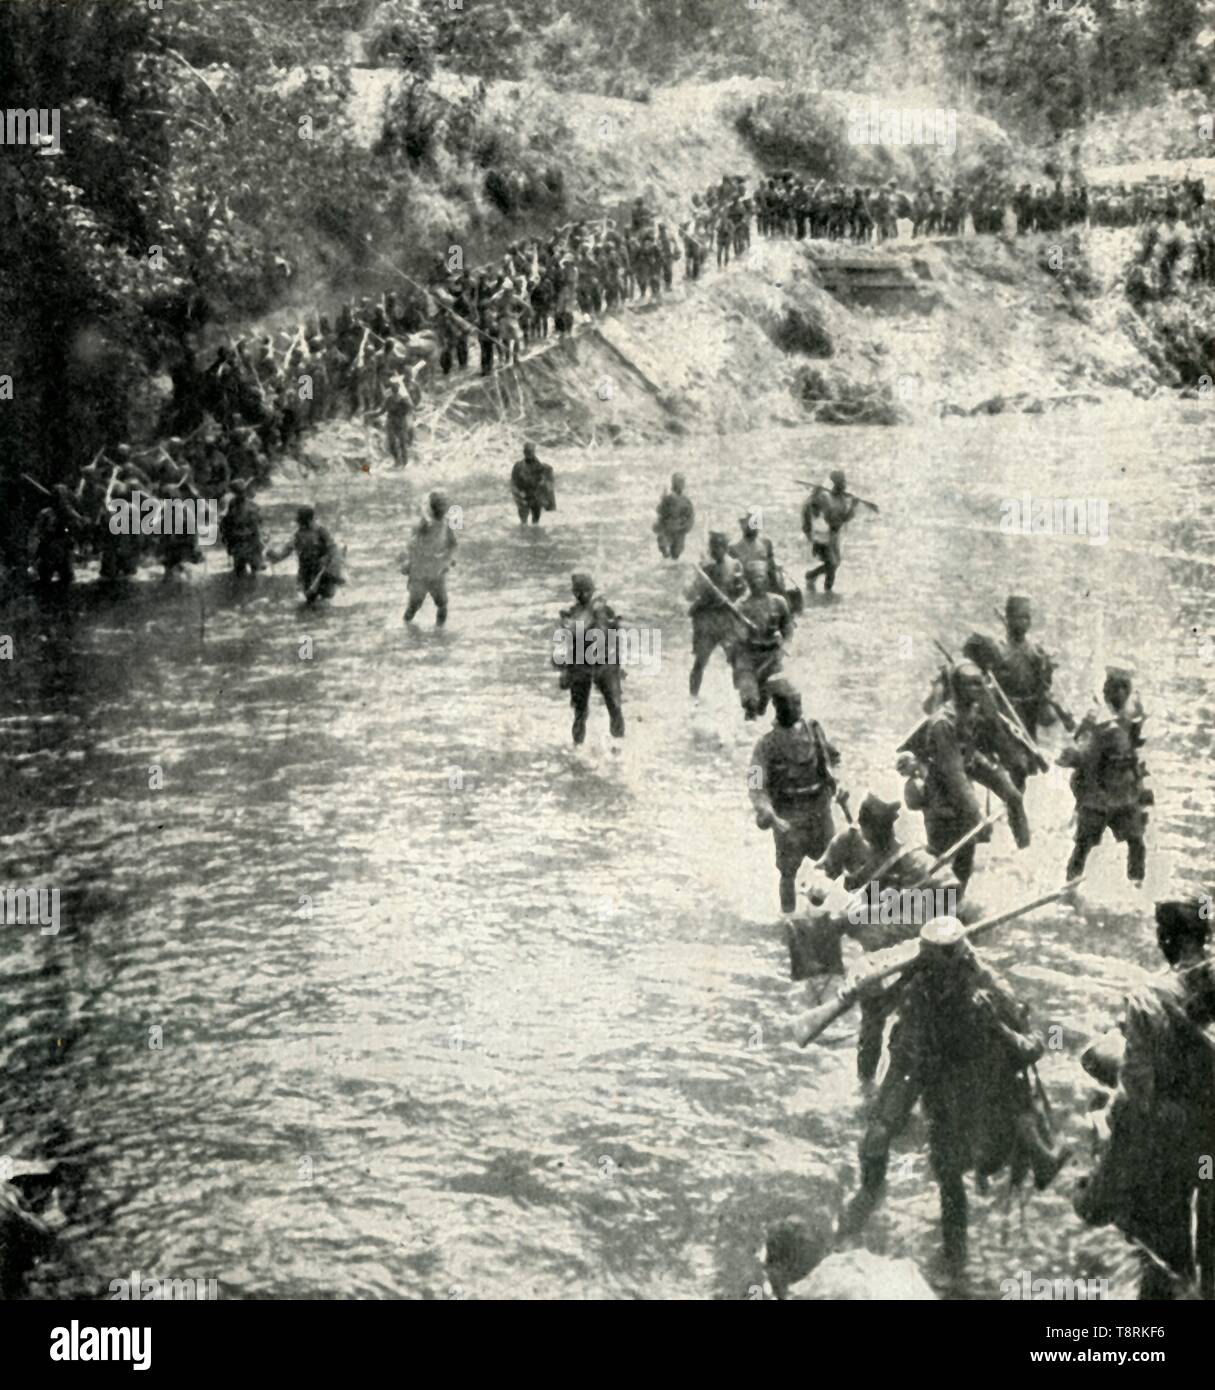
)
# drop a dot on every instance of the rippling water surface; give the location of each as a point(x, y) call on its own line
point(533, 1038)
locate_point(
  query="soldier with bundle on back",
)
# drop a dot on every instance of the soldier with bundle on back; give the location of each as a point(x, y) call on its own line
point(962, 1044)
point(940, 760)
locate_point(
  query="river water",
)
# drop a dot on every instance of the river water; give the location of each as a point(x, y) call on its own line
point(446, 1010)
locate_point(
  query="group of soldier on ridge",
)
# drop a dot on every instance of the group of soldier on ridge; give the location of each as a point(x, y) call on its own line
point(786, 205)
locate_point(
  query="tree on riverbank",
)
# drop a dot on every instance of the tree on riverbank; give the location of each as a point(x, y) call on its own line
point(80, 314)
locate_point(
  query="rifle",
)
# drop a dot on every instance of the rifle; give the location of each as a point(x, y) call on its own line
point(316, 583)
point(818, 487)
point(857, 895)
point(883, 964)
point(971, 834)
point(730, 604)
point(1026, 737)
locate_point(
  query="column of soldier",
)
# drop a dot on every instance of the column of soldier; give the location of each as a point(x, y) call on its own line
point(786, 205)
point(950, 1031)
point(257, 399)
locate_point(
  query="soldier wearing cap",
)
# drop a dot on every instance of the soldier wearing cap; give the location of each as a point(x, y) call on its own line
point(942, 757)
point(587, 652)
point(1150, 1180)
point(832, 510)
point(962, 1044)
point(751, 547)
point(791, 782)
point(674, 520)
point(398, 406)
point(1024, 670)
point(428, 559)
point(532, 486)
point(1108, 778)
point(765, 623)
point(320, 561)
point(996, 732)
point(713, 623)
point(240, 529)
point(899, 890)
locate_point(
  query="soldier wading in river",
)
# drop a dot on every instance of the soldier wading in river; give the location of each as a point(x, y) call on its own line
point(430, 555)
point(532, 487)
point(719, 581)
point(962, 1045)
point(587, 651)
point(320, 561)
point(674, 520)
point(791, 783)
point(1109, 776)
point(764, 623)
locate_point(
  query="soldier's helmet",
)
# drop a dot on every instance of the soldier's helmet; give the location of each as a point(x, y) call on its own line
point(1018, 606)
point(582, 584)
point(304, 516)
point(718, 542)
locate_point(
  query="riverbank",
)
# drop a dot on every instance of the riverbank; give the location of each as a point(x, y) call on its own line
point(796, 332)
